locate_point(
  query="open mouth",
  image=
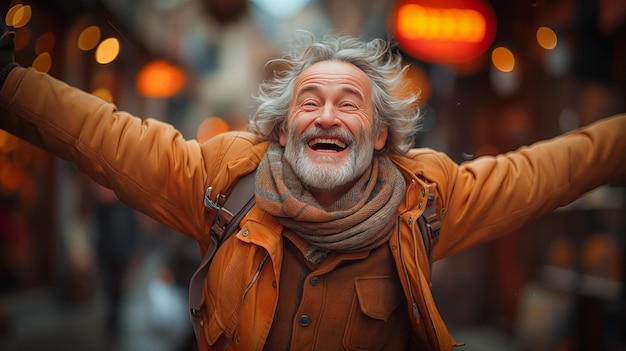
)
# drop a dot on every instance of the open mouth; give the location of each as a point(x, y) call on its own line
point(327, 144)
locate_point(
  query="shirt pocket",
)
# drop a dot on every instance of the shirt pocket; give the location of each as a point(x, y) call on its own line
point(375, 300)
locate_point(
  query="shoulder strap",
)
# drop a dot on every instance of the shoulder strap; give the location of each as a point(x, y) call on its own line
point(429, 224)
point(238, 203)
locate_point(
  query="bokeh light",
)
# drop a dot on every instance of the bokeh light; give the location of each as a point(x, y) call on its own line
point(43, 62)
point(546, 38)
point(503, 59)
point(160, 79)
point(103, 93)
point(211, 127)
point(107, 51)
point(18, 16)
point(89, 38)
point(22, 38)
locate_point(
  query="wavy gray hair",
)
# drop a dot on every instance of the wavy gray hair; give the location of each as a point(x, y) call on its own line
point(399, 112)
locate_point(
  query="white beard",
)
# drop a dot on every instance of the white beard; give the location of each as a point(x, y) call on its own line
point(326, 175)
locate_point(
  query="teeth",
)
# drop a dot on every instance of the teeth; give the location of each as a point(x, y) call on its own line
point(336, 142)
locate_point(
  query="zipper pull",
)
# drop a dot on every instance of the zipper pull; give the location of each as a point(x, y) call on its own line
point(416, 312)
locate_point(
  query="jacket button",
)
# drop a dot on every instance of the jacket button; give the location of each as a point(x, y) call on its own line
point(245, 233)
point(315, 281)
point(304, 321)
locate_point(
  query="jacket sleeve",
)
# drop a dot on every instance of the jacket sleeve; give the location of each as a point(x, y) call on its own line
point(491, 196)
point(148, 164)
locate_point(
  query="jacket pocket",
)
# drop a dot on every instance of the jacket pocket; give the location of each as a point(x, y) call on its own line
point(213, 325)
point(212, 329)
point(375, 301)
point(222, 295)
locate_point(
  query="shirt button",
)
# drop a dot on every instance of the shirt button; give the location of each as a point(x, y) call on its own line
point(304, 321)
point(315, 281)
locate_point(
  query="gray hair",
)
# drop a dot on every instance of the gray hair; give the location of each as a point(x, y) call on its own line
point(399, 112)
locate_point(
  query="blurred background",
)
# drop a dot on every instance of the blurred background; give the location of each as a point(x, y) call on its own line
point(79, 270)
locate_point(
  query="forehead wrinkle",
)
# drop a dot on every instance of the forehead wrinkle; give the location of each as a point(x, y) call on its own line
point(308, 88)
point(317, 87)
point(350, 90)
point(342, 77)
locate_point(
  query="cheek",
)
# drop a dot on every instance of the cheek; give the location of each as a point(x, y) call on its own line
point(283, 132)
point(287, 131)
point(359, 124)
point(295, 126)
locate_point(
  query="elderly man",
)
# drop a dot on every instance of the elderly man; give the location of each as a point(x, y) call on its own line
point(331, 256)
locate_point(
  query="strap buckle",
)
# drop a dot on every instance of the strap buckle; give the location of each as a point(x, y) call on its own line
point(195, 312)
point(216, 204)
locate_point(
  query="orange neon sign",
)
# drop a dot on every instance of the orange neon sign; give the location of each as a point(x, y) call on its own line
point(443, 31)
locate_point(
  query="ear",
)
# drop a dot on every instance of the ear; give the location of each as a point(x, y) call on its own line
point(381, 138)
point(282, 137)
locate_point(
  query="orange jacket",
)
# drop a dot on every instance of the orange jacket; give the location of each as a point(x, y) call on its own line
point(154, 169)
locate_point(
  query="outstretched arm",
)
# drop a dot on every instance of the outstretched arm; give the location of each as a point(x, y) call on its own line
point(492, 196)
point(147, 163)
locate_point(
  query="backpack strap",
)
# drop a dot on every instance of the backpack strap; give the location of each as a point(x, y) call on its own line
point(234, 208)
point(430, 225)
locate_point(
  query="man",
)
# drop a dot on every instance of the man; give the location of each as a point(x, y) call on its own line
point(331, 256)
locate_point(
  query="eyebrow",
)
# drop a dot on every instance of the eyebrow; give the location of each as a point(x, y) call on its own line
point(316, 87)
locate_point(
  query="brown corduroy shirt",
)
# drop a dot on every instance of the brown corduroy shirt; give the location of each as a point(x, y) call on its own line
point(345, 300)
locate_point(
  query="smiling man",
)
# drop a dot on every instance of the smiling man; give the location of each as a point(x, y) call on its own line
point(332, 256)
point(331, 133)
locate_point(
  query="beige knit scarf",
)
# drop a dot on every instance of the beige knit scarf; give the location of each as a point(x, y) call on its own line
point(361, 219)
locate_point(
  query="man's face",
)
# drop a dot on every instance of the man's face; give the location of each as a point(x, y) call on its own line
point(330, 138)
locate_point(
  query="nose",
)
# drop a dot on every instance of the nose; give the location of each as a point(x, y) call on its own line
point(327, 118)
